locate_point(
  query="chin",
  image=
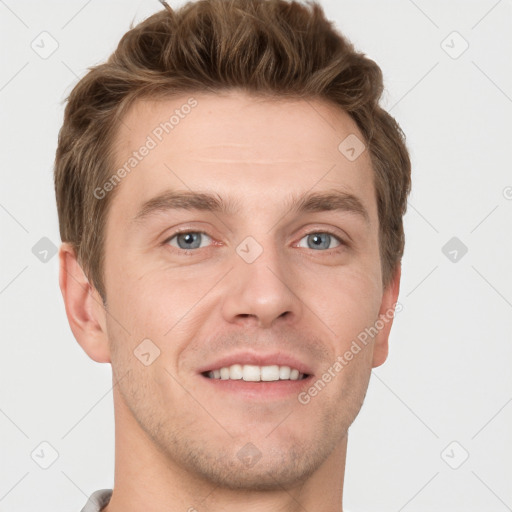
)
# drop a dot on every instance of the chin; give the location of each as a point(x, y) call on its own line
point(270, 472)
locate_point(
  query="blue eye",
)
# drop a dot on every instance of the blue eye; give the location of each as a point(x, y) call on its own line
point(188, 240)
point(321, 240)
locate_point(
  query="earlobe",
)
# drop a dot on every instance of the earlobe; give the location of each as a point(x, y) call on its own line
point(386, 317)
point(84, 308)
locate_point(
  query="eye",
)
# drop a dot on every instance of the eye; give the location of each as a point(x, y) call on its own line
point(187, 240)
point(321, 240)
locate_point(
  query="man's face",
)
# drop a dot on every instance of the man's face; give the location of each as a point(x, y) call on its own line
point(263, 278)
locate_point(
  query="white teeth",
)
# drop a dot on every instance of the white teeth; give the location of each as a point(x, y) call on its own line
point(270, 372)
point(254, 373)
point(251, 373)
point(284, 372)
point(294, 374)
point(236, 372)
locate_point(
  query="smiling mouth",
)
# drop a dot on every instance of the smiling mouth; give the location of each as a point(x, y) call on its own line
point(255, 373)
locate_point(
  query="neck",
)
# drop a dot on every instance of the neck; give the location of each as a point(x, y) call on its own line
point(145, 479)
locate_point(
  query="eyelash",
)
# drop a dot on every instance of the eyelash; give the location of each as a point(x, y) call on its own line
point(190, 252)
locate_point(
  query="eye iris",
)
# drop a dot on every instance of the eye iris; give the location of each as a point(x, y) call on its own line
point(318, 242)
point(192, 240)
point(189, 238)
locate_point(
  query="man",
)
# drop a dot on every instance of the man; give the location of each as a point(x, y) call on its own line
point(230, 198)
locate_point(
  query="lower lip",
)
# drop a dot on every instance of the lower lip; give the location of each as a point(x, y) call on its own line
point(267, 390)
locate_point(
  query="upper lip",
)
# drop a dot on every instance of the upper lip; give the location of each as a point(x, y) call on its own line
point(258, 359)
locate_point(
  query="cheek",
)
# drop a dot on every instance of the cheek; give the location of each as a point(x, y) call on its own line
point(346, 301)
point(147, 299)
point(164, 307)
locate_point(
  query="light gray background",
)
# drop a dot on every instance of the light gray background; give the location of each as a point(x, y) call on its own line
point(448, 377)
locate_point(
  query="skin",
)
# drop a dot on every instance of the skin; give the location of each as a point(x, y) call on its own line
point(177, 437)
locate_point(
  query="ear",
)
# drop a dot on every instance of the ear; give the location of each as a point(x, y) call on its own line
point(84, 306)
point(386, 316)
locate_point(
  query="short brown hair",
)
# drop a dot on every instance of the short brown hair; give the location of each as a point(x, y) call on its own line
point(275, 48)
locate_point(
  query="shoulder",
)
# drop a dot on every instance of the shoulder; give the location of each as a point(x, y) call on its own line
point(97, 500)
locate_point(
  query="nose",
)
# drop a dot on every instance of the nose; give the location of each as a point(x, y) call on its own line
point(261, 293)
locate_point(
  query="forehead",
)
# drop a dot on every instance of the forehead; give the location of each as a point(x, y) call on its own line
point(236, 142)
point(237, 120)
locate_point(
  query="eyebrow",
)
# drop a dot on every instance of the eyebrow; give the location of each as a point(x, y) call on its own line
point(331, 200)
